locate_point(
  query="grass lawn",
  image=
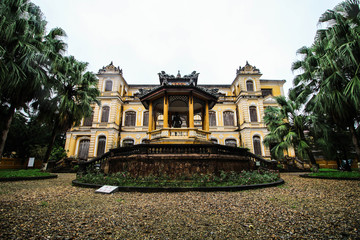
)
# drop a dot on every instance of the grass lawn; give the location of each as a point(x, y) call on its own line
point(8, 173)
point(335, 173)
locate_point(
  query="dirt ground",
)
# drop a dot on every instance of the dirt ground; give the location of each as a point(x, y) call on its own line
point(300, 209)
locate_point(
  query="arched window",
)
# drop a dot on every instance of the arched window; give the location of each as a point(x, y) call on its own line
point(230, 142)
point(159, 121)
point(130, 118)
point(197, 120)
point(84, 149)
point(108, 85)
point(253, 114)
point(88, 120)
point(105, 114)
point(257, 145)
point(101, 146)
point(146, 119)
point(228, 118)
point(214, 140)
point(212, 118)
point(249, 86)
point(128, 142)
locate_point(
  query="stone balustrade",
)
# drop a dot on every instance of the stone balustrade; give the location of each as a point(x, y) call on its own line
point(179, 133)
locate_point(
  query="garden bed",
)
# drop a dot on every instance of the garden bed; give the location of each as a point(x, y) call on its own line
point(231, 181)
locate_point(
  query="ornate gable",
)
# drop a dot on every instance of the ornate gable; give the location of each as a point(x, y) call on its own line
point(110, 69)
point(247, 69)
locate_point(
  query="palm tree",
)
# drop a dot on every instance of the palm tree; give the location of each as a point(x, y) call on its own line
point(287, 129)
point(329, 82)
point(73, 92)
point(24, 57)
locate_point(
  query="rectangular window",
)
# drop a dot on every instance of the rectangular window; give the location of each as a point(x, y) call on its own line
point(130, 119)
point(146, 119)
point(266, 91)
point(212, 118)
point(253, 114)
point(101, 146)
point(257, 145)
point(105, 114)
point(108, 86)
point(228, 118)
point(88, 120)
point(84, 149)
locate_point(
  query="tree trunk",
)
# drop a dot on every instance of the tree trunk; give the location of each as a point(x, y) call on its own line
point(51, 144)
point(4, 132)
point(312, 159)
point(314, 165)
point(355, 141)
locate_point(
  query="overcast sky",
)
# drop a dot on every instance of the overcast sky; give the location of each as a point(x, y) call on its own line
point(144, 37)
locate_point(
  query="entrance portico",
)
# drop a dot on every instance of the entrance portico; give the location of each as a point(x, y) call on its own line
point(178, 109)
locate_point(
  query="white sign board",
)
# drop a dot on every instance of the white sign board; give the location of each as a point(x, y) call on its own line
point(31, 162)
point(107, 189)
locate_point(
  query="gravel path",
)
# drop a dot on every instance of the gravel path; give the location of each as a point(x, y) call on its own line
point(300, 209)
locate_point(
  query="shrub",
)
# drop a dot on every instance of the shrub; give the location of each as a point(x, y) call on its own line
point(197, 180)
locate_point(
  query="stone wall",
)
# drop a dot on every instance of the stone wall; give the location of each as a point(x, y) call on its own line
point(176, 165)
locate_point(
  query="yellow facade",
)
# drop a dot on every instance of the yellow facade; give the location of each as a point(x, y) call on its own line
point(237, 118)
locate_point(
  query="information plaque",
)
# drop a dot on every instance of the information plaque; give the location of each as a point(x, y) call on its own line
point(31, 162)
point(107, 189)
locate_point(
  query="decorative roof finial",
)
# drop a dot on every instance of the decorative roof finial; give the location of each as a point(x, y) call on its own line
point(247, 63)
point(178, 75)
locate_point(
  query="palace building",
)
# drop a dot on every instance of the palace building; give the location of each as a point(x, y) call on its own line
point(175, 111)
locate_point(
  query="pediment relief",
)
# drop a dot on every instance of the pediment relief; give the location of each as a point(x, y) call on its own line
point(270, 100)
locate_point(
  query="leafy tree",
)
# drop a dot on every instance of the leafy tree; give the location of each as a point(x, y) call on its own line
point(287, 129)
point(73, 92)
point(29, 137)
point(329, 83)
point(25, 53)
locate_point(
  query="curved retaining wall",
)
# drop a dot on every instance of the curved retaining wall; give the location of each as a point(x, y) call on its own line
point(186, 189)
point(175, 160)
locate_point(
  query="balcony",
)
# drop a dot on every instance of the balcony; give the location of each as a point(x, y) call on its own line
point(179, 133)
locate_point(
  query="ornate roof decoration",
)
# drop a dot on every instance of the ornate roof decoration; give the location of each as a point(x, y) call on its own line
point(166, 79)
point(247, 69)
point(212, 91)
point(186, 83)
point(110, 68)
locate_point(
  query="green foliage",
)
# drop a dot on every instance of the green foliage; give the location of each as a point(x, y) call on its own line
point(73, 92)
point(26, 52)
point(337, 174)
point(197, 180)
point(33, 70)
point(329, 81)
point(286, 129)
point(22, 173)
point(57, 153)
point(37, 151)
point(328, 170)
